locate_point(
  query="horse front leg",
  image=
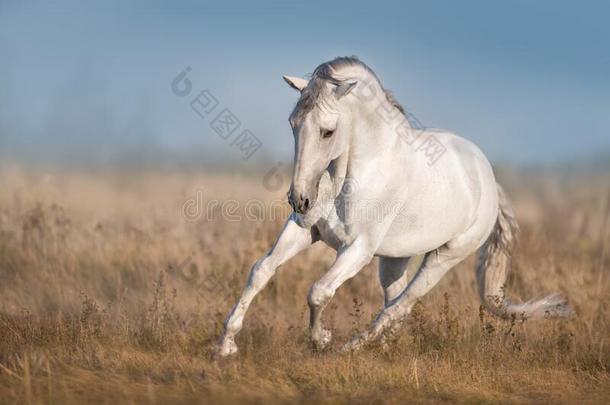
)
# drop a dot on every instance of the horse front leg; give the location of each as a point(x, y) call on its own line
point(292, 240)
point(349, 262)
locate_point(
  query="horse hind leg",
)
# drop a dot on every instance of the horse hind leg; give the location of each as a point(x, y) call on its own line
point(433, 268)
point(393, 276)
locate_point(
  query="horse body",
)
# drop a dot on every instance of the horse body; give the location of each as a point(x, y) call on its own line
point(432, 204)
point(366, 187)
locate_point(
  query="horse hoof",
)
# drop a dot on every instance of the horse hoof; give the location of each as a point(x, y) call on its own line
point(354, 344)
point(323, 340)
point(227, 348)
point(350, 347)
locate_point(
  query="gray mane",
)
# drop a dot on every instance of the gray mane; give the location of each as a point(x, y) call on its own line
point(323, 73)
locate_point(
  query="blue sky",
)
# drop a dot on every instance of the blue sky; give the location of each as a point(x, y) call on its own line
point(527, 81)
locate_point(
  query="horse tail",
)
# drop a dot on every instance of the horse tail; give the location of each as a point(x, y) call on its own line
point(492, 270)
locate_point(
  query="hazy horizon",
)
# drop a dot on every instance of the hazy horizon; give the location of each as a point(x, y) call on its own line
point(91, 84)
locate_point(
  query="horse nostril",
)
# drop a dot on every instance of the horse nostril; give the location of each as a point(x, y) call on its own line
point(299, 204)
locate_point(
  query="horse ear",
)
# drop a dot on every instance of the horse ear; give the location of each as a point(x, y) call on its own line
point(343, 89)
point(296, 82)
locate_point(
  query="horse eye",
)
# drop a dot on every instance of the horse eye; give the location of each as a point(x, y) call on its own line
point(326, 133)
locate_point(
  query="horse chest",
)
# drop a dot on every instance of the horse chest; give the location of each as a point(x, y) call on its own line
point(334, 232)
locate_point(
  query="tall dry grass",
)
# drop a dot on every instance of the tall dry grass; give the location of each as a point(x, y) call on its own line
point(107, 293)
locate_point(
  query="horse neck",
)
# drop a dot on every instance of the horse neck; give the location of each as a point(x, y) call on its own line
point(338, 171)
point(374, 137)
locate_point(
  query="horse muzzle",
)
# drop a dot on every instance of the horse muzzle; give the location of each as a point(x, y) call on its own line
point(301, 202)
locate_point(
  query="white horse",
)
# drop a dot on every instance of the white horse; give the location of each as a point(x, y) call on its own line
point(368, 183)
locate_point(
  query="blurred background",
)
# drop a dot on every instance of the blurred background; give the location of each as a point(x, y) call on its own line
point(88, 84)
point(117, 265)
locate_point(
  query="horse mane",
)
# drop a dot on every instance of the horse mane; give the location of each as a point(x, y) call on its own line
point(324, 73)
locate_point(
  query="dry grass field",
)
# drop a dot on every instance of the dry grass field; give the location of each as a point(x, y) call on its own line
point(109, 294)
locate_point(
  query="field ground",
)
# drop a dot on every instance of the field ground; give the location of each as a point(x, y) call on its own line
point(110, 293)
